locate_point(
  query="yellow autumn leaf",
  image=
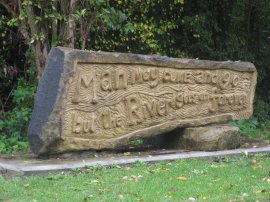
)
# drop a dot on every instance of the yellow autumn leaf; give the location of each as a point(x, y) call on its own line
point(257, 191)
point(183, 178)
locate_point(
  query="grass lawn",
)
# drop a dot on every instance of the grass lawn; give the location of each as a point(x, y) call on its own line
point(243, 177)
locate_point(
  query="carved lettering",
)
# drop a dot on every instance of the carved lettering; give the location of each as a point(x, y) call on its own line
point(151, 108)
point(79, 125)
point(106, 83)
point(120, 80)
point(136, 76)
point(187, 77)
point(133, 107)
point(131, 97)
point(84, 81)
point(154, 77)
point(109, 121)
point(162, 108)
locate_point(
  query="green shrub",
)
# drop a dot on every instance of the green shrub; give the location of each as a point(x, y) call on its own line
point(261, 110)
point(13, 126)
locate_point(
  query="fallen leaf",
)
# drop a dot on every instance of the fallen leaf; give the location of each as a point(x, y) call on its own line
point(165, 168)
point(94, 181)
point(254, 161)
point(257, 191)
point(154, 171)
point(101, 191)
point(136, 177)
point(126, 153)
point(191, 199)
point(266, 179)
point(121, 197)
point(88, 197)
point(216, 179)
point(26, 185)
point(214, 166)
point(183, 178)
point(256, 166)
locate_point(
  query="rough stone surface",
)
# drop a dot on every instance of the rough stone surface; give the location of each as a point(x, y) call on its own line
point(100, 100)
point(210, 138)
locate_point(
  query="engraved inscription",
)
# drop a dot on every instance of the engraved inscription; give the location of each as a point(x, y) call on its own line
point(111, 100)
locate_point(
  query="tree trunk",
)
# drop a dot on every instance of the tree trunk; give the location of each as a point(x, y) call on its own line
point(68, 28)
point(41, 47)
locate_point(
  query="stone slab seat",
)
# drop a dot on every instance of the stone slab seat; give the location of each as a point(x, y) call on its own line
point(90, 100)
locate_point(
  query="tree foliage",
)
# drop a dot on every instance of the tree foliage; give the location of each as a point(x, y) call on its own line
point(44, 24)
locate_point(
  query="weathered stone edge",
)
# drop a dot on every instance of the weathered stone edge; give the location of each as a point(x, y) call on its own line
point(46, 97)
point(83, 56)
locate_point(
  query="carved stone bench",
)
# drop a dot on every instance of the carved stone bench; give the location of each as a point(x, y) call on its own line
point(100, 100)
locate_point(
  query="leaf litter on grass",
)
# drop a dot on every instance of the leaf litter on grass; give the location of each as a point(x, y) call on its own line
point(236, 181)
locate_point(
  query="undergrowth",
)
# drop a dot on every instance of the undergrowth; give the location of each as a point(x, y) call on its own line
point(13, 126)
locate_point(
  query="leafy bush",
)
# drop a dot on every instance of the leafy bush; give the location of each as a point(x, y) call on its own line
point(13, 127)
point(261, 110)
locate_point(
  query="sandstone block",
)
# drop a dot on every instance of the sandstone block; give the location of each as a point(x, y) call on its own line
point(210, 138)
point(100, 100)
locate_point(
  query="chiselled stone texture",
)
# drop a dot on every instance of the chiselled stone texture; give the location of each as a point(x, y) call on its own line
point(210, 138)
point(100, 100)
